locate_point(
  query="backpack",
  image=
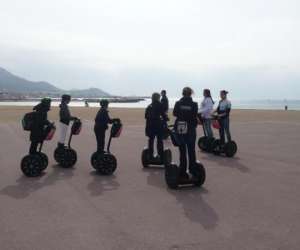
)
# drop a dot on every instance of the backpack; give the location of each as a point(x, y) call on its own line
point(28, 121)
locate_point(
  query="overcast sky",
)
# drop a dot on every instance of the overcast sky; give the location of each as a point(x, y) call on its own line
point(250, 47)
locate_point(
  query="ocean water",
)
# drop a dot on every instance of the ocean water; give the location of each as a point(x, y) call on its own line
point(236, 104)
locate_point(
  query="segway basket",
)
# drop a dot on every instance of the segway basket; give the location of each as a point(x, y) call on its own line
point(216, 124)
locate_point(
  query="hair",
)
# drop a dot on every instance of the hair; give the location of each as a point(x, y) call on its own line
point(187, 92)
point(155, 97)
point(224, 92)
point(207, 93)
point(164, 92)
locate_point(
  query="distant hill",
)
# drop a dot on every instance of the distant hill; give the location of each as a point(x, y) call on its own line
point(14, 84)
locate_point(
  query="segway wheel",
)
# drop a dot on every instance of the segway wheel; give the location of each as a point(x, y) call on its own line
point(105, 164)
point(209, 144)
point(32, 165)
point(216, 147)
point(230, 149)
point(44, 159)
point(58, 154)
point(69, 159)
point(199, 175)
point(202, 143)
point(167, 157)
point(172, 176)
point(145, 158)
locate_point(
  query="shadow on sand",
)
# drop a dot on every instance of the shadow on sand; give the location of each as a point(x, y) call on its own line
point(227, 162)
point(25, 186)
point(102, 183)
point(190, 198)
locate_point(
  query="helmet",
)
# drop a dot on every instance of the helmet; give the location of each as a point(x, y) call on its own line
point(65, 97)
point(104, 103)
point(46, 101)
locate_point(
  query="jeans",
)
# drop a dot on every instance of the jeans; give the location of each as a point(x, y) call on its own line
point(207, 128)
point(188, 147)
point(100, 137)
point(160, 145)
point(224, 122)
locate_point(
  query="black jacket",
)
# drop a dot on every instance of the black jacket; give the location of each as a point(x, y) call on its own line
point(102, 119)
point(155, 118)
point(165, 103)
point(64, 114)
point(38, 131)
point(186, 110)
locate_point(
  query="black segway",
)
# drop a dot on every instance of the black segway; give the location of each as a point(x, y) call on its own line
point(66, 157)
point(106, 163)
point(205, 143)
point(33, 165)
point(150, 160)
point(172, 171)
point(229, 148)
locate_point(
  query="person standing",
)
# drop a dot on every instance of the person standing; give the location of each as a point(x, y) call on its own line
point(40, 122)
point(186, 111)
point(205, 112)
point(156, 117)
point(164, 101)
point(223, 113)
point(101, 125)
point(64, 118)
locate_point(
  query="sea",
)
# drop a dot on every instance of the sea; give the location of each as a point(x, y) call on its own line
point(236, 104)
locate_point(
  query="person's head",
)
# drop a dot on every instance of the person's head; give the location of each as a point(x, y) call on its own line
point(155, 97)
point(223, 94)
point(46, 104)
point(206, 93)
point(104, 103)
point(187, 92)
point(163, 92)
point(66, 99)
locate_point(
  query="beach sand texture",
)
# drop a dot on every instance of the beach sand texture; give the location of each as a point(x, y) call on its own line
point(249, 202)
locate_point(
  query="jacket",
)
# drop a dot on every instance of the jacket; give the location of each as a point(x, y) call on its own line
point(40, 122)
point(64, 114)
point(186, 110)
point(102, 120)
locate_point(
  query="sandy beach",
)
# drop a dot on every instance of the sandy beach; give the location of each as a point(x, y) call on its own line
point(248, 202)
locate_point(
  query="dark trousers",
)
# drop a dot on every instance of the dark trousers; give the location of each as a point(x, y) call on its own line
point(33, 147)
point(188, 147)
point(100, 137)
point(224, 123)
point(159, 144)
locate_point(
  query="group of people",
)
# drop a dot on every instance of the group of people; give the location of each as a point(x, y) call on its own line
point(187, 117)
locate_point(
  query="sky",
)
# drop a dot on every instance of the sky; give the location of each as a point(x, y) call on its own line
point(135, 47)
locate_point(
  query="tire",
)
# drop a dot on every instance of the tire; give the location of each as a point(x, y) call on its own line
point(105, 164)
point(210, 143)
point(32, 165)
point(199, 174)
point(145, 158)
point(230, 149)
point(202, 143)
point(216, 147)
point(167, 158)
point(44, 159)
point(69, 159)
point(58, 154)
point(172, 176)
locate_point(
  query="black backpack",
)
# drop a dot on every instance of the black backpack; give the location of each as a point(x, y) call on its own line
point(28, 120)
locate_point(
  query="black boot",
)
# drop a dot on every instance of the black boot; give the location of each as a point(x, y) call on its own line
point(60, 145)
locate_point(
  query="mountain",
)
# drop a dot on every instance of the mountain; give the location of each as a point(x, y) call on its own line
point(14, 84)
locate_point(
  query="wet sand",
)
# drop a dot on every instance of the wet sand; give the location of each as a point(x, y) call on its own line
point(248, 202)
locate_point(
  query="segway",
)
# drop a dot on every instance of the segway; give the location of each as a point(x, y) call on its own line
point(172, 171)
point(229, 148)
point(66, 157)
point(205, 142)
point(106, 163)
point(33, 165)
point(150, 160)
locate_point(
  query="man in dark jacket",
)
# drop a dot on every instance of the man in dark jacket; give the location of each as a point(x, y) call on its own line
point(64, 118)
point(185, 111)
point(164, 101)
point(155, 118)
point(101, 125)
point(40, 123)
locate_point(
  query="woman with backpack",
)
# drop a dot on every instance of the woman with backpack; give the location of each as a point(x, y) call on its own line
point(39, 124)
